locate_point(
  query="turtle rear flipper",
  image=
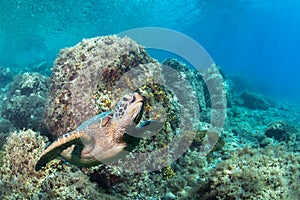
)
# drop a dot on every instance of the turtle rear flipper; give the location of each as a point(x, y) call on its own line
point(60, 145)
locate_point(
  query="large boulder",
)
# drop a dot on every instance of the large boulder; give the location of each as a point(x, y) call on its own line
point(253, 101)
point(84, 78)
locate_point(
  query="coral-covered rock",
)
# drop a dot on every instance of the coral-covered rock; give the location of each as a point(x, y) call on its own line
point(193, 77)
point(105, 177)
point(211, 90)
point(218, 91)
point(19, 180)
point(279, 131)
point(24, 102)
point(18, 157)
point(91, 77)
point(69, 185)
point(271, 173)
point(84, 77)
point(253, 101)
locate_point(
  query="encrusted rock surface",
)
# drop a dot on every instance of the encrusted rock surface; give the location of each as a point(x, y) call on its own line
point(19, 180)
point(24, 102)
point(84, 77)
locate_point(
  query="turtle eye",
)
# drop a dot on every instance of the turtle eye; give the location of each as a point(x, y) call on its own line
point(124, 99)
point(133, 99)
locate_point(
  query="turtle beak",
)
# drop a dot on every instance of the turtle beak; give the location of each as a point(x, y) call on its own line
point(139, 105)
point(138, 118)
point(138, 98)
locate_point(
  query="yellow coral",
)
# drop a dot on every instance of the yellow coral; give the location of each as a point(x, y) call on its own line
point(168, 172)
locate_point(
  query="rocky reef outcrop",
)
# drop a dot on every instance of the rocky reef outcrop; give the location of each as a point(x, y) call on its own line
point(270, 173)
point(18, 180)
point(83, 79)
point(24, 101)
point(253, 101)
point(255, 157)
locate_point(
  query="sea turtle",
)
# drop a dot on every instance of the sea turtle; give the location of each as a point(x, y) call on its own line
point(100, 139)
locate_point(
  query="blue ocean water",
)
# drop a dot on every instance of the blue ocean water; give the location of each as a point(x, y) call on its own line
point(257, 39)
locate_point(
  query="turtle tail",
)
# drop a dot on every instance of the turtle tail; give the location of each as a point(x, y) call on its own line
point(59, 145)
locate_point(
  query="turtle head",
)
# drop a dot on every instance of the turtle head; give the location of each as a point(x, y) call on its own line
point(129, 110)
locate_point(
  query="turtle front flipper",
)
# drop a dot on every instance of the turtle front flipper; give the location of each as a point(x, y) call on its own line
point(152, 126)
point(60, 145)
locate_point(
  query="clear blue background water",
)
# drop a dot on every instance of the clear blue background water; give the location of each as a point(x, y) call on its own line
point(258, 39)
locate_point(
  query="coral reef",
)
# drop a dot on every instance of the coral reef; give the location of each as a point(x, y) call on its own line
point(271, 173)
point(188, 172)
point(83, 80)
point(17, 175)
point(282, 132)
point(194, 78)
point(218, 100)
point(278, 130)
point(18, 180)
point(256, 157)
point(219, 92)
point(209, 86)
point(69, 185)
point(24, 102)
point(253, 101)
